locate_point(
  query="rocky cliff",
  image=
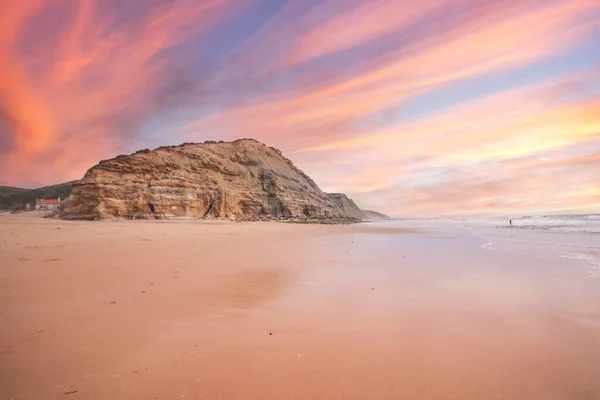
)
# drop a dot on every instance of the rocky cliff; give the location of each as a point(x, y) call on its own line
point(375, 216)
point(243, 180)
point(347, 205)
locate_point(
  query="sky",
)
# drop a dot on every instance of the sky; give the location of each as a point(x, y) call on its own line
point(429, 107)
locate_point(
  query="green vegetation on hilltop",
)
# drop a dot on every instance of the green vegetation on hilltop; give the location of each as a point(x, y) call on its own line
point(12, 198)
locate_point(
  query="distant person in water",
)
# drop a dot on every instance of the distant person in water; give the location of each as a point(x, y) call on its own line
point(510, 222)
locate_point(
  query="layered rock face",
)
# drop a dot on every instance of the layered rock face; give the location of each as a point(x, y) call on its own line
point(347, 205)
point(375, 216)
point(243, 180)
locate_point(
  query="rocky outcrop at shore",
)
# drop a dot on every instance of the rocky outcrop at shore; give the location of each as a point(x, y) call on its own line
point(347, 205)
point(375, 216)
point(243, 180)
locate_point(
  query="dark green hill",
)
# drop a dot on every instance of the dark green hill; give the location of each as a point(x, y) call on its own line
point(4, 190)
point(12, 198)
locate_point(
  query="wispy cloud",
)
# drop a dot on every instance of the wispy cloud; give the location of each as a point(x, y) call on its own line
point(335, 84)
point(93, 85)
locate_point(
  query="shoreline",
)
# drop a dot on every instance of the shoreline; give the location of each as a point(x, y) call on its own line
point(142, 309)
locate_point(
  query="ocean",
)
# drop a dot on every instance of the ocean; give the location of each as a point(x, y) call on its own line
point(574, 237)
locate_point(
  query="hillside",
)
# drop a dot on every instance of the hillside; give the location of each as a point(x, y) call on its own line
point(242, 180)
point(15, 198)
point(4, 190)
point(347, 205)
point(375, 216)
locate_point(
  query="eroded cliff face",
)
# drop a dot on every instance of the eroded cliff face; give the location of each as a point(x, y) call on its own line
point(375, 216)
point(243, 180)
point(347, 205)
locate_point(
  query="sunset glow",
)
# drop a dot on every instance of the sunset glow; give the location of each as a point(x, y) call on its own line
point(411, 108)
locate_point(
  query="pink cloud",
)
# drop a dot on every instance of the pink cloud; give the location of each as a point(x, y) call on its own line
point(483, 45)
point(324, 83)
point(95, 88)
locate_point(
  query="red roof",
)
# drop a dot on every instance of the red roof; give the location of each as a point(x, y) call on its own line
point(48, 201)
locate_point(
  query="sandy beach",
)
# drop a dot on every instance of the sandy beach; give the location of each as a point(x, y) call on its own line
point(219, 310)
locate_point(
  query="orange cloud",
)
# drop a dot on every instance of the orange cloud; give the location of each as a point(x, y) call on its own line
point(468, 50)
point(328, 84)
point(566, 184)
point(360, 24)
point(21, 106)
point(99, 84)
point(523, 114)
point(525, 124)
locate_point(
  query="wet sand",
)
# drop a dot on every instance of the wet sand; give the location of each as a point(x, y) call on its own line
point(216, 310)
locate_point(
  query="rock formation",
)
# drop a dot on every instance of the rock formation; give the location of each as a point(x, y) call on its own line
point(375, 216)
point(347, 205)
point(243, 180)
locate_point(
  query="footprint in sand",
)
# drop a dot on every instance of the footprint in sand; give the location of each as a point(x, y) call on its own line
point(53, 259)
point(23, 259)
point(6, 352)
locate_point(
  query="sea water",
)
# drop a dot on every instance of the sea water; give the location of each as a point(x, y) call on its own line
point(573, 237)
